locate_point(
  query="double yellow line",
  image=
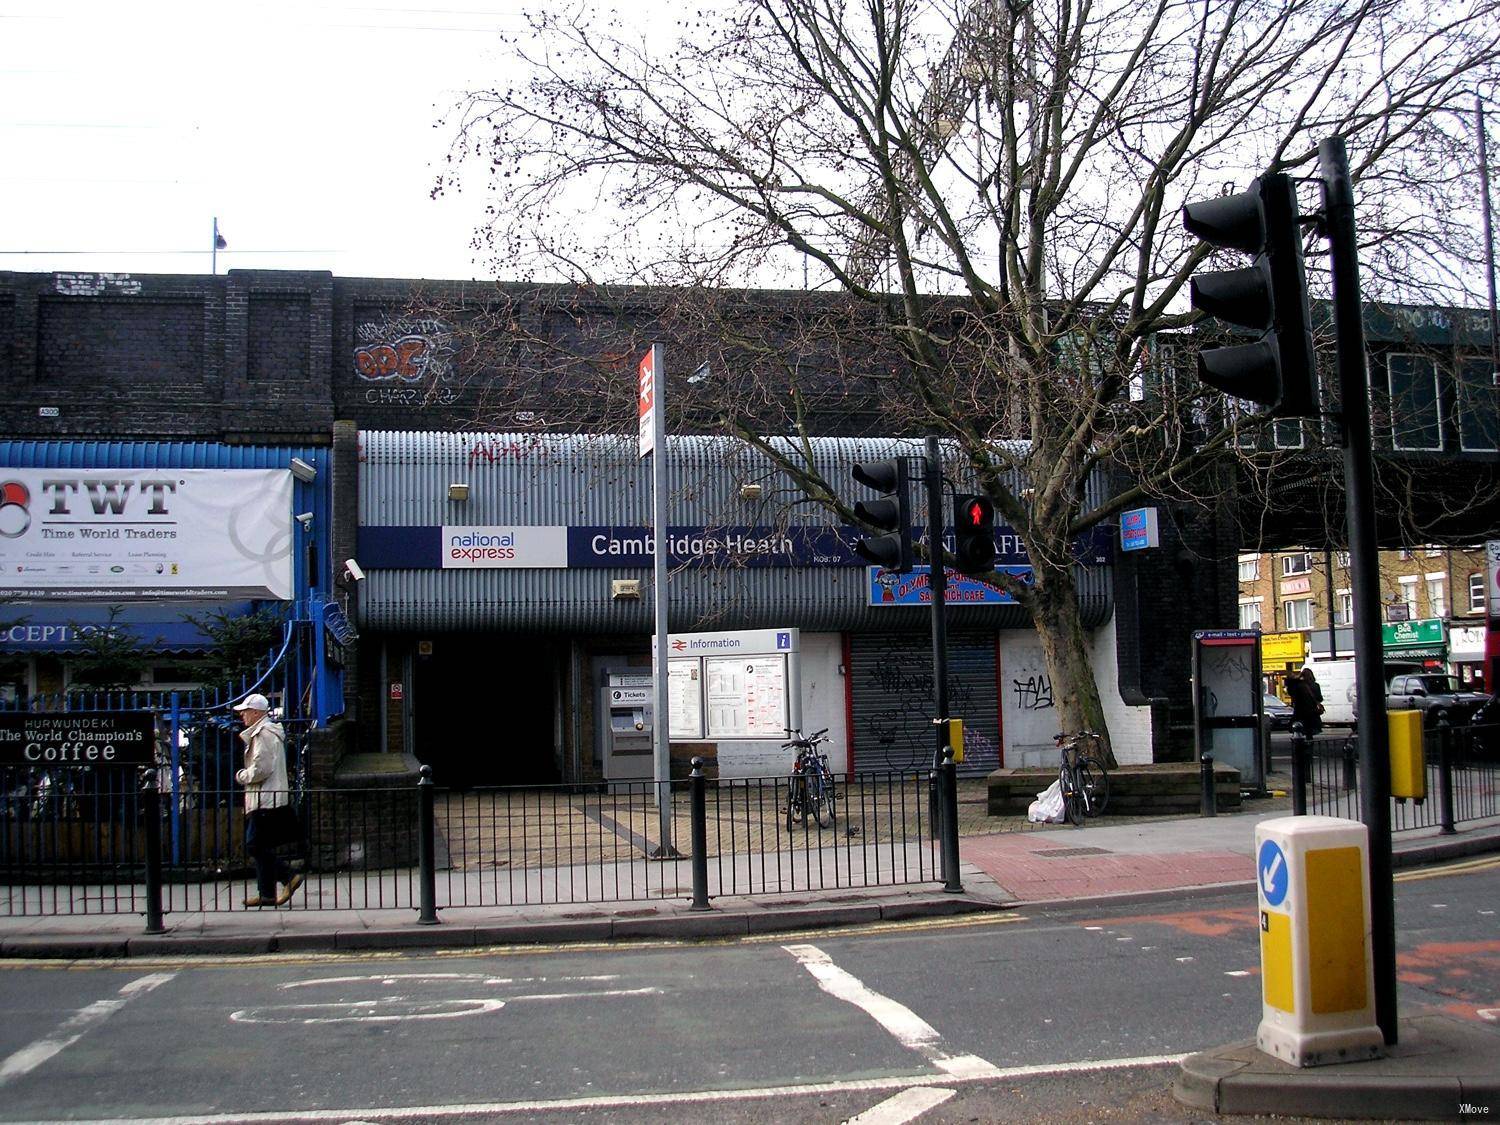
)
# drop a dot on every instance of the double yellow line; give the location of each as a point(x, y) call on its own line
point(1463, 867)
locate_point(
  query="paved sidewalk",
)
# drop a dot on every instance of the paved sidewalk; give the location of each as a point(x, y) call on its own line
point(1440, 1063)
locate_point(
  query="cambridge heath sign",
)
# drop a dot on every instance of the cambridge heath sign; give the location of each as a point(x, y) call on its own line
point(138, 534)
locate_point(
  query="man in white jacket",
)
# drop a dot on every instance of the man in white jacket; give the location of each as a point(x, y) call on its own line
point(267, 789)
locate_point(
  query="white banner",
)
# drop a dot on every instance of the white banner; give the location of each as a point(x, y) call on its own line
point(477, 547)
point(134, 534)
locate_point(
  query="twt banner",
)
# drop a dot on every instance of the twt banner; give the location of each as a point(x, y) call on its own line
point(132, 534)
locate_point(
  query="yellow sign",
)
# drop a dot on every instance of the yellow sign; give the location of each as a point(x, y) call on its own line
point(1282, 648)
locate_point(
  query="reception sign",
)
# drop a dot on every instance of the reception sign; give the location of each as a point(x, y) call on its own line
point(139, 534)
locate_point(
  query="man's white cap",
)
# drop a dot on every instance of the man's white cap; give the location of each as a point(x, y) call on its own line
point(255, 702)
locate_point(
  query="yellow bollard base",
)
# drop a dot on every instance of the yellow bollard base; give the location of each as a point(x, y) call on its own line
point(1319, 1048)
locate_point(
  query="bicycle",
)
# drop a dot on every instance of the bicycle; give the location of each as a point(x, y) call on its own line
point(1082, 775)
point(811, 788)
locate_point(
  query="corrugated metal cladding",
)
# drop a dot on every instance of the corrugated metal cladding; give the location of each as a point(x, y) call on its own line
point(590, 480)
point(890, 688)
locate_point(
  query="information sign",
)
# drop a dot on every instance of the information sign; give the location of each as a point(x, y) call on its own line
point(746, 696)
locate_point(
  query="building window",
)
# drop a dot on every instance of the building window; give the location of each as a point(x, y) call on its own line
point(1434, 552)
point(1343, 558)
point(1437, 595)
point(1409, 596)
point(1297, 614)
point(1478, 405)
point(1344, 613)
point(1295, 564)
point(1250, 614)
point(1405, 554)
point(1476, 593)
point(1249, 568)
point(1413, 384)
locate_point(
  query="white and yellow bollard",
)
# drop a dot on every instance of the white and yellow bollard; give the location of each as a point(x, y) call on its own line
point(1317, 973)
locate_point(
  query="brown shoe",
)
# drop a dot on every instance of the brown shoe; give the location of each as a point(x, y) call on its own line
point(291, 889)
point(256, 900)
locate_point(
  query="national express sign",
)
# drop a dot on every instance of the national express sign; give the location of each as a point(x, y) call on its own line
point(541, 547)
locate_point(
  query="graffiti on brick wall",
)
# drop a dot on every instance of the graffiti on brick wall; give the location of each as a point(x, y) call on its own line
point(96, 284)
point(405, 350)
point(412, 396)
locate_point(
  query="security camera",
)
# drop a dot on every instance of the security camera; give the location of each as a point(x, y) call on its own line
point(303, 471)
point(305, 519)
point(354, 570)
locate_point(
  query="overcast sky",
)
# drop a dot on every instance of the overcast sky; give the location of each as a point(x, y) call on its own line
point(305, 126)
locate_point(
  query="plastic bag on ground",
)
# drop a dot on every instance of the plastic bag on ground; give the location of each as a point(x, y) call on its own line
point(1048, 806)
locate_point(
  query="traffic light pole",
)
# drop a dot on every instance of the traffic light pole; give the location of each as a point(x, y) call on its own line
point(939, 586)
point(1354, 427)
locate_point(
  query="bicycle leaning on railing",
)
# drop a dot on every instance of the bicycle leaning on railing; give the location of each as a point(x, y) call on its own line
point(1082, 775)
point(810, 789)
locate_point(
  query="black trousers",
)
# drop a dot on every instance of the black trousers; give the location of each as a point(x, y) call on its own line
point(261, 840)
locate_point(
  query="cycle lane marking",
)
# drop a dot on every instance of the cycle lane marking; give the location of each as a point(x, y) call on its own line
point(76, 1026)
point(908, 1028)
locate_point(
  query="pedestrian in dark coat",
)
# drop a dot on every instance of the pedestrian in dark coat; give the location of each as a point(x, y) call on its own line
point(1306, 698)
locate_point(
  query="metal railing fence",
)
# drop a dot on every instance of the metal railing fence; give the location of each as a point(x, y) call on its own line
point(112, 848)
point(1461, 765)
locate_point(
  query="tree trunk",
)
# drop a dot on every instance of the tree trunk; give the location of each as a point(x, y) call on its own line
point(1065, 649)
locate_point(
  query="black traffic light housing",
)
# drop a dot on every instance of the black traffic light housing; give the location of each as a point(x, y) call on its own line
point(891, 513)
point(973, 534)
point(1269, 296)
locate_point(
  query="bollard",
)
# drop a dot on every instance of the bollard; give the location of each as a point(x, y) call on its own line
point(699, 804)
point(951, 881)
point(1299, 771)
point(151, 799)
point(1445, 778)
point(1351, 765)
point(427, 848)
point(1208, 800)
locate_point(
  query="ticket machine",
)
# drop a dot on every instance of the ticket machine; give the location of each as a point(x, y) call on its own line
point(626, 702)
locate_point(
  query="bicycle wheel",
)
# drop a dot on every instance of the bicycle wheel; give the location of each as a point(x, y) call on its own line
point(1095, 783)
point(1093, 787)
point(796, 802)
point(1072, 799)
point(825, 804)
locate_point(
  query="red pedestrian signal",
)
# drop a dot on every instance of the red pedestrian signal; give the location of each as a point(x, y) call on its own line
point(974, 534)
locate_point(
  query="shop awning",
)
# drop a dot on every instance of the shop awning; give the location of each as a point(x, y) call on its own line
point(64, 628)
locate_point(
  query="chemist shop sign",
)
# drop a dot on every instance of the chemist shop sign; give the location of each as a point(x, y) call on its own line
point(77, 738)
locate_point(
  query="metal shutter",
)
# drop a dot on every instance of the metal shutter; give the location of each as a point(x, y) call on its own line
point(892, 700)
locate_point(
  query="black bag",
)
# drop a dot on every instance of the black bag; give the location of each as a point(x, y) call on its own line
point(280, 826)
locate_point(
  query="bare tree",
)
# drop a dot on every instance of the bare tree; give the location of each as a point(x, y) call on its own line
point(992, 187)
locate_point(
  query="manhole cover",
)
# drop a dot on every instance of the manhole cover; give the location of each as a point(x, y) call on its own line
point(1064, 853)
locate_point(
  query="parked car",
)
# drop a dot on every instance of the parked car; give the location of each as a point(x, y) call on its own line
point(1436, 695)
point(1483, 734)
point(1278, 714)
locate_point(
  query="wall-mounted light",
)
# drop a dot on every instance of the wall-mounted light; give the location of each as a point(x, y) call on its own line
point(751, 491)
point(624, 588)
point(303, 471)
point(458, 492)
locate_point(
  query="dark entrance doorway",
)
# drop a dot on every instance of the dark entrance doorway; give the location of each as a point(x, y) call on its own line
point(483, 710)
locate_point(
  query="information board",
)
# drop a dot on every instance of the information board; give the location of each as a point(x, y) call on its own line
point(746, 696)
point(685, 698)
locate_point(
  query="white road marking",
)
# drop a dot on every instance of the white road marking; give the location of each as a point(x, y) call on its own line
point(73, 1028)
point(616, 1101)
point(1237, 973)
point(392, 1009)
point(908, 1028)
point(482, 978)
point(1491, 1014)
point(906, 1106)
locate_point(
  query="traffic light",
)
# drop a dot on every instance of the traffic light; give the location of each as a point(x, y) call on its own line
point(891, 513)
point(1269, 296)
point(974, 534)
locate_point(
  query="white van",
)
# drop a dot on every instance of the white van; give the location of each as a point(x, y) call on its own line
point(1340, 695)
